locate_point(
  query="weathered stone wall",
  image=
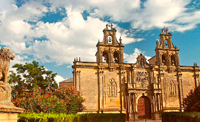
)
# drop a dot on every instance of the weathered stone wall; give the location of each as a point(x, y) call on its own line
point(188, 82)
point(110, 100)
point(170, 90)
point(88, 87)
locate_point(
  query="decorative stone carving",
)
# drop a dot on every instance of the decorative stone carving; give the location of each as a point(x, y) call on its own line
point(112, 88)
point(5, 90)
point(141, 62)
point(157, 43)
point(172, 88)
point(142, 80)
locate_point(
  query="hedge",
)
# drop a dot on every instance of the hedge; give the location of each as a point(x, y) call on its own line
point(51, 117)
point(181, 117)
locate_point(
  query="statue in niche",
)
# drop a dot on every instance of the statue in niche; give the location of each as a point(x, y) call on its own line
point(5, 89)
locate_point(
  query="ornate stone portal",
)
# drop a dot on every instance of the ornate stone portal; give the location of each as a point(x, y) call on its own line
point(8, 112)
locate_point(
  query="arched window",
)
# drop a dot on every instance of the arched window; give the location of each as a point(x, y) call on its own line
point(112, 88)
point(164, 59)
point(166, 43)
point(173, 60)
point(172, 88)
point(109, 39)
point(116, 57)
point(105, 57)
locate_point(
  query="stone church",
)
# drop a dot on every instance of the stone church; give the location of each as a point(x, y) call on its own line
point(142, 89)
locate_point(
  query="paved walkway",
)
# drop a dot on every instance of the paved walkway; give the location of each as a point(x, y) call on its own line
point(148, 120)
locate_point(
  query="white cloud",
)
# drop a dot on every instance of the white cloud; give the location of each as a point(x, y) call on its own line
point(18, 59)
point(143, 15)
point(75, 37)
point(71, 38)
point(59, 78)
point(132, 58)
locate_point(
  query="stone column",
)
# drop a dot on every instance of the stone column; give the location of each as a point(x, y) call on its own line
point(133, 77)
point(179, 81)
point(78, 78)
point(134, 114)
point(101, 89)
point(196, 75)
point(163, 89)
point(120, 93)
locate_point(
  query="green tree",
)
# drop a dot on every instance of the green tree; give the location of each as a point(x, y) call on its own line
point(30, 76)
point(192, 101)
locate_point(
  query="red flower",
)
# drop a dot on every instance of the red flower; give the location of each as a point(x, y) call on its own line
point(36, 89)
point(40, 89)
point(45, 107)
point(41, 107)
point(31, 95)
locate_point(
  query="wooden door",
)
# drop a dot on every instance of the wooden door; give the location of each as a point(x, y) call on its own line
point(144, 108)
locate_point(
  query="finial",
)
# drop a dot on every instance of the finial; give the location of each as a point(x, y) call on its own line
point(111, 25)
point(106, 26)
point(120, 40)
point(98, 40)
point(195, 64)
point(79, 58)
point(157, 42)
point(163, 31)
point(166, 31)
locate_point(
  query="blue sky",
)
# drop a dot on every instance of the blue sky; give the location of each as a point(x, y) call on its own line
point(54, 32)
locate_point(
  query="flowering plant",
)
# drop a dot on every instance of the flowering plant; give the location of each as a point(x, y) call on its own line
point(64, 100)
point(71, 97)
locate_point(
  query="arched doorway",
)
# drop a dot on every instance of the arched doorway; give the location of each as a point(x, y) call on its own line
point(144, 108)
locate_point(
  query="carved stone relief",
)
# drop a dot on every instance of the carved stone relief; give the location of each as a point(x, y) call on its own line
point(172, 88)
point(141, 62)
point(142, 80)
point(112, 88)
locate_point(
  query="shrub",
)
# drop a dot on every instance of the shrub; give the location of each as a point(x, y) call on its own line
point(37, 103)
point(52, 117)
point(181, 117)
point(192, 101)
point(72, 97)
point(63, 100)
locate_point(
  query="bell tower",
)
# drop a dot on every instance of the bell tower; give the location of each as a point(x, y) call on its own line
point(109, 50)
point(166, 53)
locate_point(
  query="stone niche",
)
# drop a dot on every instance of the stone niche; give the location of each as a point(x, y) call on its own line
point(8, 112)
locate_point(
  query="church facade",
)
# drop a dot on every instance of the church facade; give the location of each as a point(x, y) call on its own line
point(142, 89)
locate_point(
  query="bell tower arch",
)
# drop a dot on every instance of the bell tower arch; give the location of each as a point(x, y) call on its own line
point(110, 50)
point(166, 53)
